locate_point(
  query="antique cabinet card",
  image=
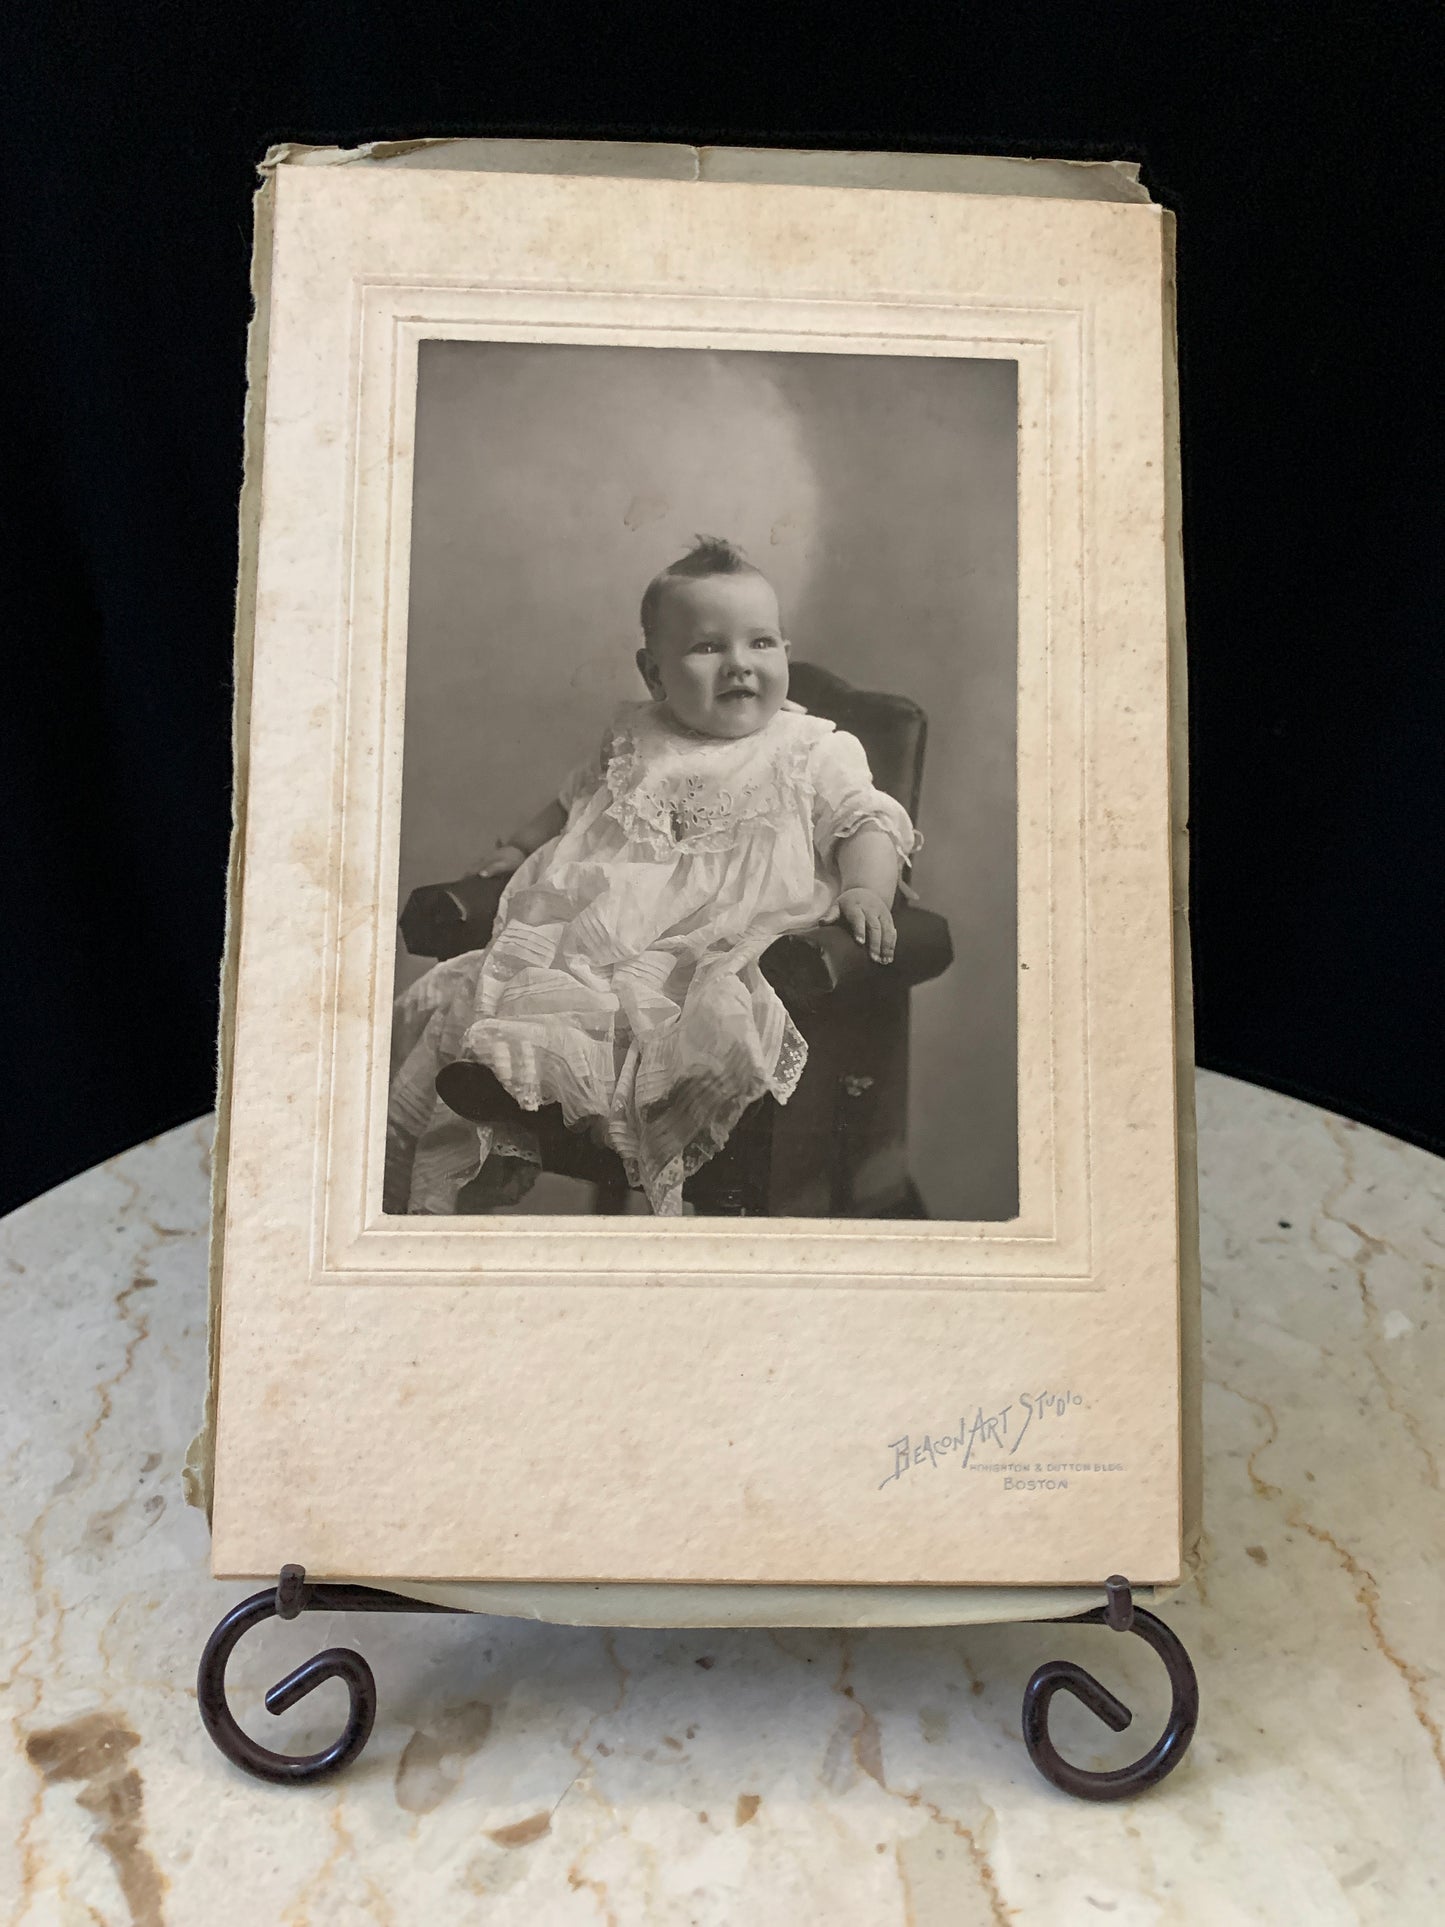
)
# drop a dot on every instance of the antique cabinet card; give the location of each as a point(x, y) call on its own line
point(726, 613)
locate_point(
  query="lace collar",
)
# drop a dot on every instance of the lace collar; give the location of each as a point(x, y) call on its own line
point(679, 791)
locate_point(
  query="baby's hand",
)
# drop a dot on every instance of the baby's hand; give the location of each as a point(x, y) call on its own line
point(870, 920)
point(503, 860)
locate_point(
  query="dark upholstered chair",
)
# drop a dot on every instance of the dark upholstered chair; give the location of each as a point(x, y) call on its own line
point(839, 1147)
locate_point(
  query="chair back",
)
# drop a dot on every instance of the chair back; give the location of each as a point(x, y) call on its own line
point(892, 730)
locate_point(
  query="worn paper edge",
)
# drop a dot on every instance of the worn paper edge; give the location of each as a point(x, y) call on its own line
point(990, 174)
point(1191, 1362)
point(197, 1474)
point(723, 1605)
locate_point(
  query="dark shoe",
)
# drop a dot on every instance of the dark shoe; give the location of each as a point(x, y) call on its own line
point(502, 1180)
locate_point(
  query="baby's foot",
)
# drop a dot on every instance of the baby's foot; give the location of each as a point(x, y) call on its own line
point(502, 1180)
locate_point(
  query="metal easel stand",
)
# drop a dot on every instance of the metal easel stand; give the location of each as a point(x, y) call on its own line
point(1120, 1615)
point(292, 1596)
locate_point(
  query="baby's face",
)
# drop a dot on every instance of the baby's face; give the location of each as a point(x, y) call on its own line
point(718, 658)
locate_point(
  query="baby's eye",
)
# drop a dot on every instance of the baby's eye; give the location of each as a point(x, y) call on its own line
point(765, 642)
point(707, 647)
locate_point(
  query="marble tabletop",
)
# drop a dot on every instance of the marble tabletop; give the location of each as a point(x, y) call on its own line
point(532, 1774)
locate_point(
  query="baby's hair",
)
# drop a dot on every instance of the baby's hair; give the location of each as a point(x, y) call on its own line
point(709, 555)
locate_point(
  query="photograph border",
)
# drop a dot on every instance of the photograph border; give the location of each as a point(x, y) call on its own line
point(1049, 1241)
point(722, 1424)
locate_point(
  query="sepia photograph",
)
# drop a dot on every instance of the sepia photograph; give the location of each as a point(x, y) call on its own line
point(708, 837)
point(708, 867)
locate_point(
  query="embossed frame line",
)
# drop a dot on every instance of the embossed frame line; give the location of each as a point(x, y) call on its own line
point(1049, 1243)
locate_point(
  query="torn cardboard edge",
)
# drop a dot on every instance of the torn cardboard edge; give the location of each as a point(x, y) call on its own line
point(755, 166)
point(198, 1470)
point(681, 1605)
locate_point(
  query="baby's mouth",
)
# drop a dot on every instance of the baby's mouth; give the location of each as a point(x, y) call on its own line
point(732, 695)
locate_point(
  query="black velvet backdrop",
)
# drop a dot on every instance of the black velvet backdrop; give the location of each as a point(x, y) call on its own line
point(1290, 140)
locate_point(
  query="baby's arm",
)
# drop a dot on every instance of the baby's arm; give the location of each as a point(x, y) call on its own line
point(514, 850)
point(868, 866)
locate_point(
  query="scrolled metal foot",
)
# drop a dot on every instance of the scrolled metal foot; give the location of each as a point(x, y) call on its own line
point(1062, 1675)
point(288, 1598)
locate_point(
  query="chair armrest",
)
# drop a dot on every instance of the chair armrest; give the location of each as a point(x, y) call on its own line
point(444, 919)
point(828, 961)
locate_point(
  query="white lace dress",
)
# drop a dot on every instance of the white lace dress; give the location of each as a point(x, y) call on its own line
point(622, 978)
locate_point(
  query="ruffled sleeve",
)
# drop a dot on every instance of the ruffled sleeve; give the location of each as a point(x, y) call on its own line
point(845, 799)
point(579, 781)
point(583, 780)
